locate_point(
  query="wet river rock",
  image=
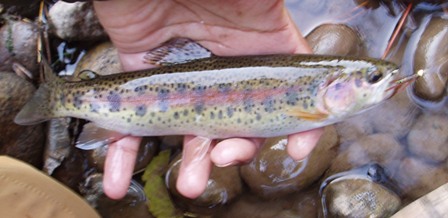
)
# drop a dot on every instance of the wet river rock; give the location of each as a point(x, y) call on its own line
point(395, 116)
point(428, 137)
point(22, 142)
point(23, 8)
point(352, 129)
point(223, 186)
point(273, 173)
point(133, 204)
point(383, 149)
point(366, 191)
point(416, 177)
point(75, 22)
point(355, 197)
point(335, 39)
point(18, 44)
point(148, 147)
point(303, 204)
point(432, 57)
point(101, 59)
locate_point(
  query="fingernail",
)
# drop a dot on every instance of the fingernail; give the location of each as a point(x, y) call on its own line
point(302, 160)
point(232, 163)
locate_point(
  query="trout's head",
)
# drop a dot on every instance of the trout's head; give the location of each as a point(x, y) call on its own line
point(360, 89)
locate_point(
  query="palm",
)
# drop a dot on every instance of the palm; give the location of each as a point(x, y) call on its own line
point(225, 27)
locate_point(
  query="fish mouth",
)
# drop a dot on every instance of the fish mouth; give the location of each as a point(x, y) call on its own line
point(400, 84)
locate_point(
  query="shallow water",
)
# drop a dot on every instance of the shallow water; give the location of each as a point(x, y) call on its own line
point(375, 25)
point(412, 168)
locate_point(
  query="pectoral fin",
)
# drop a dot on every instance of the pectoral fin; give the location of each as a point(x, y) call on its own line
point(305, 115)
point(177, 51)
point(93, 137)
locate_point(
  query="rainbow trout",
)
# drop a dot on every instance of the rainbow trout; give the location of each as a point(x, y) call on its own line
point(197, 93)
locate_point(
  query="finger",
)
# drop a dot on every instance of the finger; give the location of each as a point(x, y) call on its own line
point(119, 166)
point(301, 144)
point(195, 169)
point(234, 151)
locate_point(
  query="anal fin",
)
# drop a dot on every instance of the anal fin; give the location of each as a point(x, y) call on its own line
point(93, 137)
point(177, 51)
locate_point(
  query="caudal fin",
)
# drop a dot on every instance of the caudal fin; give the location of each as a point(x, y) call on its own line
point(37, 109)
point(40, 107)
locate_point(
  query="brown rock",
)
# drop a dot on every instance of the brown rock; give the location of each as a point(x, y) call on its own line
point(428, 137)
point(223, 186)
point(302, 204)
point(57, 144)
point(23, 8)
point(395, 116)
point(75, 22)
point(133, 204)
point(353, 129)
point(18, 44)
point(101, 59)
point(22, 142)
point(383, 149)
point(335, 39)
point(432, 56)
point(148, 147)
point(417, 177)
point(354, 197)
point(273, 173)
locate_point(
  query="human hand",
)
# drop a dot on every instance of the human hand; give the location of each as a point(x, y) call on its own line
point(232, 27)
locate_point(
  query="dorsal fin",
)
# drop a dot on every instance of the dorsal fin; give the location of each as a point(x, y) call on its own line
point(177, 51)
point(48, 73)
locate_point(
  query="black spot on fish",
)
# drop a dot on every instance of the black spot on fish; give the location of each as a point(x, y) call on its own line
point(220, 114)
point(140, 110)
point(248, 104)
point(198, 108)
point(114, 100)
point(268, 104)
point(181, 87)
point(258, 117)
point(224, 87)
point(77, 102)
point(162, 96)
point(176, 115)
point(185, 112)
point(199, 90)
point(62, 99)
point(291, 97)
point(230, 112)
point(140, 90)
point(212, 115)
point(94, 107)
point(305, 105)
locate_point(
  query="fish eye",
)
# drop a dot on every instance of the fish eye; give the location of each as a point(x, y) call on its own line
point(375, 77)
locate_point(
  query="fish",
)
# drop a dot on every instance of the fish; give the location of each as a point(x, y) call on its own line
point(195, 92)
